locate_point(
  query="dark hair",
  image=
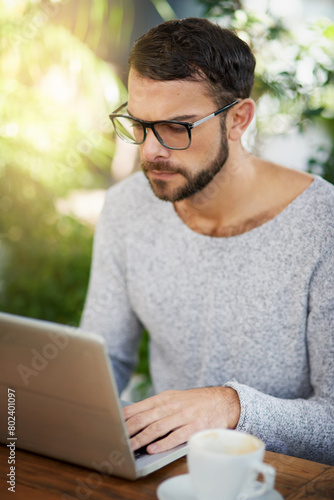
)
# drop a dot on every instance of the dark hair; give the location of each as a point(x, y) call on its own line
point(196, 49)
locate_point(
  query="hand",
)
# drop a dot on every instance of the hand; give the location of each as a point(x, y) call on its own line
point(180, 414)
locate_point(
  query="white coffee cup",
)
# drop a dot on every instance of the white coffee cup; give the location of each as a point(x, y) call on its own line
point(224, 464)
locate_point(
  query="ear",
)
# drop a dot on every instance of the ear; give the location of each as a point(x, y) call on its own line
point(239, 119)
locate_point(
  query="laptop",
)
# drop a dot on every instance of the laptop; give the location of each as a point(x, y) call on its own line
point(59, 385)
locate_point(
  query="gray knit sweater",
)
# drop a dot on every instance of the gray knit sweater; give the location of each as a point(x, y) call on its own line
point(254, 312)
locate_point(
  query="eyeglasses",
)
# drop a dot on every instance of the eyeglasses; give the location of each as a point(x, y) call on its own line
point(171, 134)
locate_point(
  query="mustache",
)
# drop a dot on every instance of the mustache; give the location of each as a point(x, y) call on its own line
point(160, 166)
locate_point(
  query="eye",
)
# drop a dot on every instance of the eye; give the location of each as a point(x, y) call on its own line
point(136, 125)
point(175, 128)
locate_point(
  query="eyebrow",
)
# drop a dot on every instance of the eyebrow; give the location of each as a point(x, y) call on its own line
point(184, 118)
point(181, 118)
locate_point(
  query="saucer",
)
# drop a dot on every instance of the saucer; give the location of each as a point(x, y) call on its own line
point(180, 488)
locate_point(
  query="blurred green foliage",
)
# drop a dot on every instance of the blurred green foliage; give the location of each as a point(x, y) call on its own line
point(55, 95)
point(55, 136)
point(45, 257)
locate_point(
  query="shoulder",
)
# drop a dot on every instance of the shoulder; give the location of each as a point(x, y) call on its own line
point(324, 189)
point(305, 203)
point(133, 192)
point(308, 194)
point(131, 206)
point(131, 198)
point(320, 210)
point(319, 198)
point(314, 210)
point(313, 200)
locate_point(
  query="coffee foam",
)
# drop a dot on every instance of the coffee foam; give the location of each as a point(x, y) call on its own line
point(215, 443)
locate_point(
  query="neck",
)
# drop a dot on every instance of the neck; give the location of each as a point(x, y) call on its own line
point(224, 202)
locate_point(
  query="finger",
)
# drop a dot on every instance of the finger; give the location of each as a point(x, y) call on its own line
point(155, 431)
point(134, 409)
point(175, 438)
point(141, 406)
point(141, 421)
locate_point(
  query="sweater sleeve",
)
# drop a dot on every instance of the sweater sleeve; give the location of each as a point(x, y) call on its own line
point(301, 427)
point(108, 310)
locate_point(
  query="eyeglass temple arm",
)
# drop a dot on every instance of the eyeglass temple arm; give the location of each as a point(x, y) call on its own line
point(119, 108)
point(214, 114)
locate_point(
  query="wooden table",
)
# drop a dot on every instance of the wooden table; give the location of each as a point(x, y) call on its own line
point(41, 478)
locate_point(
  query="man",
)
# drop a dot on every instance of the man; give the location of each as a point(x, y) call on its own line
point(224, 258)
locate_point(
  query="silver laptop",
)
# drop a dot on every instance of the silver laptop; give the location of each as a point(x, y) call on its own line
point(60, 388)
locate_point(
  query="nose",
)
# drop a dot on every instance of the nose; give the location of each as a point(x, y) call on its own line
point(151, 150)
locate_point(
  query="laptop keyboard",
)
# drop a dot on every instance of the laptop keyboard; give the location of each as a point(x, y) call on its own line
point(141, 452)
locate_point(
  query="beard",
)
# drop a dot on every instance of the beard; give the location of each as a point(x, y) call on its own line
point(194, 183)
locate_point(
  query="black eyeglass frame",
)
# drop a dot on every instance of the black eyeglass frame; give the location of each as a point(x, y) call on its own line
point(147, 124)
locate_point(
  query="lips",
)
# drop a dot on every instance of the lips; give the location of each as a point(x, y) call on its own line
point(162, 174)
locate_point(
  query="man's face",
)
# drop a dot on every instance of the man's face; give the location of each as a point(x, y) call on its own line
point(176, 175)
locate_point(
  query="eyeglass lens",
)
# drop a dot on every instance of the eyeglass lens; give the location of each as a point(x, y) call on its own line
point(171, 135)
